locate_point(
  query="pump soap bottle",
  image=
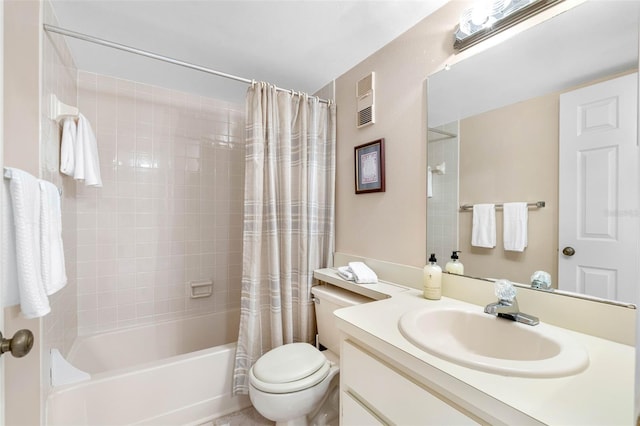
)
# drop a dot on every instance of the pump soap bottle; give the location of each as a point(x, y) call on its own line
point(454, 266)
point(432, 279)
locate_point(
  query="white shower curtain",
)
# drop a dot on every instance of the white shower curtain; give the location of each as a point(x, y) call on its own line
point(289, 206)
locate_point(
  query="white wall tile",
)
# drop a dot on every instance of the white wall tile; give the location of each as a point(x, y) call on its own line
point(156, 222)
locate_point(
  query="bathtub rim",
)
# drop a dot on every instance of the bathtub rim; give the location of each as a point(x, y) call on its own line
point(147, 366)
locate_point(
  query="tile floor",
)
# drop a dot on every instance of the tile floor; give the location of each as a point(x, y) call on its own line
point(247, 417)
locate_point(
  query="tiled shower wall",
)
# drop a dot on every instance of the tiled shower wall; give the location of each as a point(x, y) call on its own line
point(169, 211)
point(442, 207)
point(59, 78)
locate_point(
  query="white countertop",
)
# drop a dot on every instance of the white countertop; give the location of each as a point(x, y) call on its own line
point(603, 394)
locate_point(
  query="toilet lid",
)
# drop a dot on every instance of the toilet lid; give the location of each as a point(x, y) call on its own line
point(288, 363)
point(289, 387)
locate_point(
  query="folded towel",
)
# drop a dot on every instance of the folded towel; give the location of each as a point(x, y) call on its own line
point(483, 232)
point(68, 147)
point(24, 192)
point(345, 272)
point(362, 274)
point(54, 276)
point(87, 161)
point(515, 217)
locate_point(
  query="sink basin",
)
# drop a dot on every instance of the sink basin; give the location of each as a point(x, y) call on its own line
point(495, 345)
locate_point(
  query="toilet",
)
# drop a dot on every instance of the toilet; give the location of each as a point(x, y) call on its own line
point(297, 384)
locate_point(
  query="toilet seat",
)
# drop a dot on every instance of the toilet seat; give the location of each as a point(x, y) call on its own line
point(289, 368)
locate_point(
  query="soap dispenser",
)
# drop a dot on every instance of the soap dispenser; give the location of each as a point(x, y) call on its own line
point(454, 266)
point(432, 279)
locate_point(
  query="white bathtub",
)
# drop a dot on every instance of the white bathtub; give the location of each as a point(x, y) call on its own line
point(173, 373)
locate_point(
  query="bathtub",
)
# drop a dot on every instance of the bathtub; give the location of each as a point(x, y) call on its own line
point(172, 373)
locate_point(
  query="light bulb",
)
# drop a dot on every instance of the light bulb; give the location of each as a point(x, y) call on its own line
point(480, 12)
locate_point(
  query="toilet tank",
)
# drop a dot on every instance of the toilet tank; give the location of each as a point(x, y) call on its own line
point(328, 298)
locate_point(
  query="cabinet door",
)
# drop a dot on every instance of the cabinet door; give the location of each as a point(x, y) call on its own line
point(391, 395)
point(355, 414)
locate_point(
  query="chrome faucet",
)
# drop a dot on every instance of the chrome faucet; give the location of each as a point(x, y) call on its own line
point(507, 306)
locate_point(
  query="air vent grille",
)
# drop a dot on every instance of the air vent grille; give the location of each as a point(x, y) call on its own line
point(365, 116)
point(364, 86)
point(365, 100)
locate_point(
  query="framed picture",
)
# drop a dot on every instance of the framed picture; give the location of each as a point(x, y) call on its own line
point(369, 160)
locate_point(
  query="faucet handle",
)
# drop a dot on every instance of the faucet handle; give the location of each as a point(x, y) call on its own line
point(505, 290)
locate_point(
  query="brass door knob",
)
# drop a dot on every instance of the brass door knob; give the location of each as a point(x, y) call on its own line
point(568, 251)
point(19, 345)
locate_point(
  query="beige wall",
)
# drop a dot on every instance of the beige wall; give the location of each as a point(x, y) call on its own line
point(391, 225)
point(511, 154)
point(21, 149)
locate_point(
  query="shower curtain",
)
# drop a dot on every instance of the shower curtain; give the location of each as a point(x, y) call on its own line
point(288, 219)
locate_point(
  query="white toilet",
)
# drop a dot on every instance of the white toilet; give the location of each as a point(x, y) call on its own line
point(294, 383)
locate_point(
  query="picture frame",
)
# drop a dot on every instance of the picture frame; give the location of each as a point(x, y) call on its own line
point(369, 167)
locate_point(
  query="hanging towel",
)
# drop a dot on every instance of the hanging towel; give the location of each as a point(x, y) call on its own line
point(10, 288)
point(87, 161)
point(429, 183)
point(54, 276)
point(515, 216)
point(68, 147)
point(483, 233)
point(24, 192)
point(362, 274)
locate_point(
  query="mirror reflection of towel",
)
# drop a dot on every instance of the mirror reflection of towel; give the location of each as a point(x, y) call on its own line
point(483, 233)
point(515, 217)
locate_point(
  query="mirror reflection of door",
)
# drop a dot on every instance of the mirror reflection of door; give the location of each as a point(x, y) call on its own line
point(598, 193)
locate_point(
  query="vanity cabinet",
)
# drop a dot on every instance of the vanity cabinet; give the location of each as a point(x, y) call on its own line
point(373, 392)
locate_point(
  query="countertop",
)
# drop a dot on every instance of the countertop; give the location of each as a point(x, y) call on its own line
point(603, 394)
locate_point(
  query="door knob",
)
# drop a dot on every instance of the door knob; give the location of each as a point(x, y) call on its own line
point(568, 251)
point(19, 345)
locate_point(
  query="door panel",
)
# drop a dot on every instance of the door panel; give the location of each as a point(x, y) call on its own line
point(598, 195)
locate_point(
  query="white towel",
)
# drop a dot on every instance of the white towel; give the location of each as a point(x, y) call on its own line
point(483, 232)
point(362, 274)
point(345, 272)
point(25, 201)
point(54, 276)
point(68, 147)
point(429, 183)
point(10, 288)
point(87, 161)
point(515, 217)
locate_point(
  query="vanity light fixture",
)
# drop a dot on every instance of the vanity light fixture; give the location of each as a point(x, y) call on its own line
point(489, 17)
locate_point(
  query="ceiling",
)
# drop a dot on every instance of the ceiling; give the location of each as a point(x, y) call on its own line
point(295, 44)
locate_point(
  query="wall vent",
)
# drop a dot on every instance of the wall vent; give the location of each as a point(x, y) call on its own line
point(365, 101)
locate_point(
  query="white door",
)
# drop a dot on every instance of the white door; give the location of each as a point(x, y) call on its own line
point(598, 194)
point(2, 389)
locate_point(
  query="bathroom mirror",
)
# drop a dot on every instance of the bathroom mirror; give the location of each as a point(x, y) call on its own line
point(493, 132)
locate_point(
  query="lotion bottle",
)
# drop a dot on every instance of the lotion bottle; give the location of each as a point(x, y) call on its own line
point(454, 266)
point(432, 279)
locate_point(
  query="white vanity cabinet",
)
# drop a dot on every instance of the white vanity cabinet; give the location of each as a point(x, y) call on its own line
point(375, 393)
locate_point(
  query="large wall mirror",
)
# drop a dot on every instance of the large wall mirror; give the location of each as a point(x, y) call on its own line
point(498, 122)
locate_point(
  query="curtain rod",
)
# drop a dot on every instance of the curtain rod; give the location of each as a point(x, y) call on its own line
point(91, 39)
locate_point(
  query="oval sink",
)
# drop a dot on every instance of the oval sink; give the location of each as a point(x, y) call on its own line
point(496, 345)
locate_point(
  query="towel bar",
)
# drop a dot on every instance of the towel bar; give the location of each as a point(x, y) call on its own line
point(60, 110)
point(537, 204)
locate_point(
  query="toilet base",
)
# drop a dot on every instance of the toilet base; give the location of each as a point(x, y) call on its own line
point(328, 413)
